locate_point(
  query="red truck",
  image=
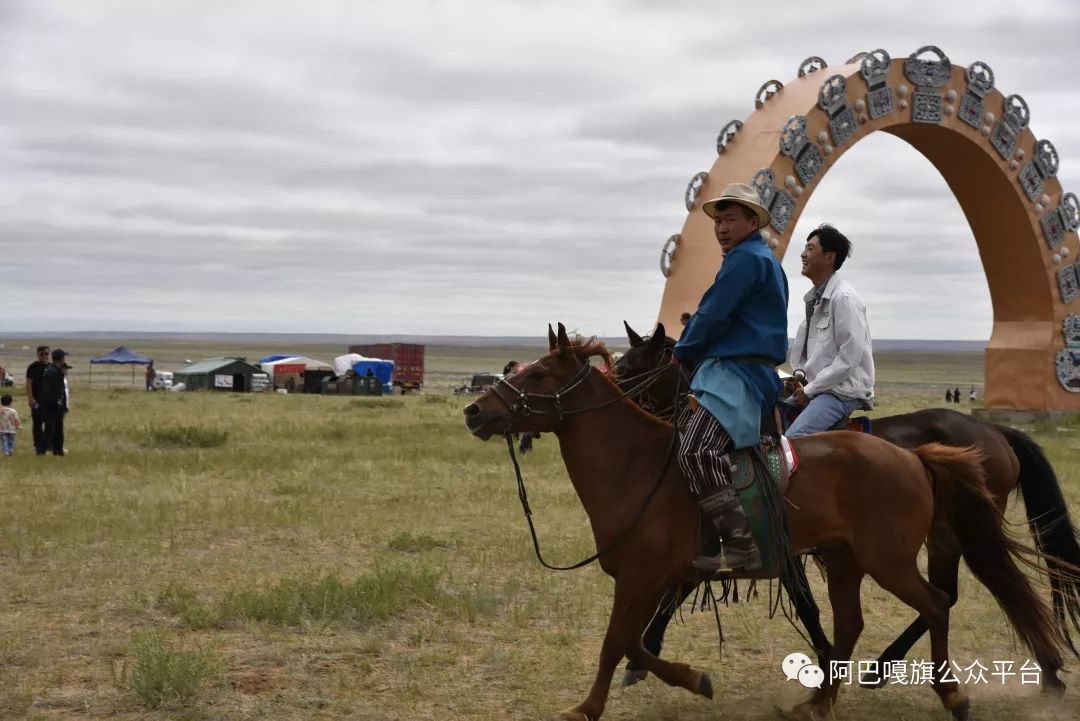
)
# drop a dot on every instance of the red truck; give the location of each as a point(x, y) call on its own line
point(408, 361)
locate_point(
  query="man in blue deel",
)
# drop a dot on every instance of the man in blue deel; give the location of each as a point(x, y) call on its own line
point(734, 341)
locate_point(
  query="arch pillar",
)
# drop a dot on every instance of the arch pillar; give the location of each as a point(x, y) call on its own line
point(1023, 224)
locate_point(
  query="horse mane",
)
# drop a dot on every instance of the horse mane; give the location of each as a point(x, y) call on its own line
point(586, 348)
point(589, 347)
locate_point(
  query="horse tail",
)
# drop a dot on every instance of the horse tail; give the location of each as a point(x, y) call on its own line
point(960, 493)
point(1051, 527)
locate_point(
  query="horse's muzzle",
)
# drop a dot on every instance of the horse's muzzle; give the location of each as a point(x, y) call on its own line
point(482, 424)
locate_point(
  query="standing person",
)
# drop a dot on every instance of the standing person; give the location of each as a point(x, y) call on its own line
point(34, 373)
point(832, 346)
point(150, 375)
point(9, 424)
point(734, 342)
point(948, 395)
point(956, 395)
point(65, 406)
point(971, 396)
point(51, 400)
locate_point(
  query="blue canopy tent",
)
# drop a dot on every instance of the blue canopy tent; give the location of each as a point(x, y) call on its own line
point(119, 356)
point(381, 369)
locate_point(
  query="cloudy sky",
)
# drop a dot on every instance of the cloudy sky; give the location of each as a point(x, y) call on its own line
point(453, 167)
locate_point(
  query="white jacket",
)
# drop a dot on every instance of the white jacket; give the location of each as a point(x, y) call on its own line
point(839, 352)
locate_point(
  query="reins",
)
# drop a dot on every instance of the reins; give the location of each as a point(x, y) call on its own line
point(557, 399)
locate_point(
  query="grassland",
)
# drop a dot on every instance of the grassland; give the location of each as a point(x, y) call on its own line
point(213, 556)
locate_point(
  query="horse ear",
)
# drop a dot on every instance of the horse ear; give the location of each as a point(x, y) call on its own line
point(564, 340)
point(634, 338)
point(552, 340)
point(659, 336)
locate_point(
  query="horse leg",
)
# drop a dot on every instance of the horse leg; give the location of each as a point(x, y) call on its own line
point(943, 566)
point(653, 638)
point(844, 579)
point(798, 589)
point(634, 600)
point(901, 578)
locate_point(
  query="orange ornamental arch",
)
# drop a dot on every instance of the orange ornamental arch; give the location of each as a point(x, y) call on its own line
point(1002, 175)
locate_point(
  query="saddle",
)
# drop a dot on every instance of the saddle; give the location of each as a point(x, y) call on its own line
point(782, 418)
point(760, 476)
point(786, 415)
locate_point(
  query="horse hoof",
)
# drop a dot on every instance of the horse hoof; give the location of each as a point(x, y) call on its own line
point(633, 675)
point(572, 715)
point(1053, 686)
point(800, 712)
point(962, 710)
point(873, 680)
point(704, 686)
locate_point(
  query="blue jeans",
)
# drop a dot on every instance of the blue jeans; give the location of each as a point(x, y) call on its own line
point(8, 440)
point(824, 412)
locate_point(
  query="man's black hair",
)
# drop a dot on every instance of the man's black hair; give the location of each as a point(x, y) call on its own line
point(5, 400)
point(832, 240)
point(42, 349)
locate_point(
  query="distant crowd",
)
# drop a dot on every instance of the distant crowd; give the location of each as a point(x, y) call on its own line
point(953, 395)
point(49, 397)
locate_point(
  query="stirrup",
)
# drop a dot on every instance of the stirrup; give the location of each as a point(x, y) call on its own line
point(739, 561)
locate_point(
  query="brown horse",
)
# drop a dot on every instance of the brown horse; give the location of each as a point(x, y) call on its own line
point(864, 503)
point(1011, 461)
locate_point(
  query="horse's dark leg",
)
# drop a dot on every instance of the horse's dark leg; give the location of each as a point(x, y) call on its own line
point(844, 578)
point(943, 567)
point(653, 638)
point(901, 577)
point(798, 589)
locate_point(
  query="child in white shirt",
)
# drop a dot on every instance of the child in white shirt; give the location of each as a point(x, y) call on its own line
point(9, 424)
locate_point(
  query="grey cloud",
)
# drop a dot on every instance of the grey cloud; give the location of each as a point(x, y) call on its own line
point(489, 171)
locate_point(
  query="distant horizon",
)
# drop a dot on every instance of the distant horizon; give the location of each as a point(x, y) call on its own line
point(430, 339)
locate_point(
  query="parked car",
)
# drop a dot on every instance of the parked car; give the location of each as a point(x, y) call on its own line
point(163, 381)
point(480, 382)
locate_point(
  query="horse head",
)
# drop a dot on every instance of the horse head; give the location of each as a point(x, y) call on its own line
point(645, 354)
point(536, 398)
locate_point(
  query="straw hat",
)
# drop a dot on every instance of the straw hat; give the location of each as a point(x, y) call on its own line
point(742, 194)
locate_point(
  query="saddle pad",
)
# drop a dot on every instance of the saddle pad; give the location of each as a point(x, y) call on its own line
point(751, 489)
point(860, 424)
point(791, 460)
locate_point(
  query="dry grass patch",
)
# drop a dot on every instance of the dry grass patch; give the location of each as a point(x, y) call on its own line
point(379, 571)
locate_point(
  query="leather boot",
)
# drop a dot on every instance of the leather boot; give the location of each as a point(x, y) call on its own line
point(738, 552)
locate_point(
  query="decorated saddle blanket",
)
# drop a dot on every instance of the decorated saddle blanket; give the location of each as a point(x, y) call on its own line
point(760, 477)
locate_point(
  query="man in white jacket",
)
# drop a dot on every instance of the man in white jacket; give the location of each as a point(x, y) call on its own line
point(832, 346)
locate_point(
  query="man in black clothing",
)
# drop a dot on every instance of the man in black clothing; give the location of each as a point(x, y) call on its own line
point(51, 401)
point(34, 373)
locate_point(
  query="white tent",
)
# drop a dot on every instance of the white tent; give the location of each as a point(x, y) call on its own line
point(344, 363)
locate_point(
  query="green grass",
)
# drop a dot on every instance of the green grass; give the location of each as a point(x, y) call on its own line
point(160, 675)
point(366, 558)
point(376, 595)
point(184, 437)
point(414, 543)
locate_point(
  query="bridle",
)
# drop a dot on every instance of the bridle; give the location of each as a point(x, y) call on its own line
point(519, 400)
point(645, 398)
point(519, 405)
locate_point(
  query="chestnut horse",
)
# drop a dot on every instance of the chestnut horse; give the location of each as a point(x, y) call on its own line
point(865, 504)
point(1011, 461)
